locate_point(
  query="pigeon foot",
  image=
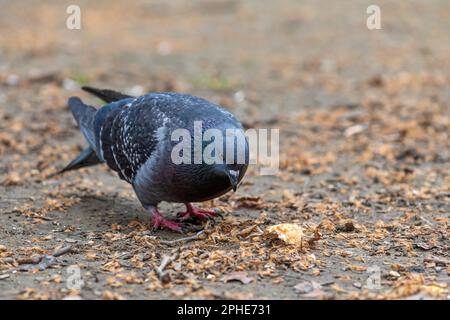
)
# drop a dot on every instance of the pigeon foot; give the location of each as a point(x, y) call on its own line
point(159, 222)
point(193, 212)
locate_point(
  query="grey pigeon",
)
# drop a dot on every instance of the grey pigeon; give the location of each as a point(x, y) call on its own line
point(132, 135)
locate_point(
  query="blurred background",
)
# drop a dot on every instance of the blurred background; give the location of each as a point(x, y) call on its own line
point(285, 56)
point(363, 115)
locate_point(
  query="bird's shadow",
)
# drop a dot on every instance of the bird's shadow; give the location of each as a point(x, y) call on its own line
point(98, 213)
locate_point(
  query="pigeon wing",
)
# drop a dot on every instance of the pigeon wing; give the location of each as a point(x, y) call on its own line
point(129, 136)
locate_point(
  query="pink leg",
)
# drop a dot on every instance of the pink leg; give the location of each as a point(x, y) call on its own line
point(192, 211)
point(159, 222)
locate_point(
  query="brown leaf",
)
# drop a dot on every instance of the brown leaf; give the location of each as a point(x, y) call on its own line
point(423, 246)
point(287, 232)
point(241, 276)
point(347, 226)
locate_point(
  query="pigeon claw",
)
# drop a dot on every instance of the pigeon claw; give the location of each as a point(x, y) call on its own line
point(159, 222)
point(193, 212)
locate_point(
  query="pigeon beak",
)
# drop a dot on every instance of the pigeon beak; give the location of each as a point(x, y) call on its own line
point(233, 175)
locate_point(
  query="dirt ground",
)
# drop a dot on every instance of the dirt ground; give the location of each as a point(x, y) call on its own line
point(364, 119)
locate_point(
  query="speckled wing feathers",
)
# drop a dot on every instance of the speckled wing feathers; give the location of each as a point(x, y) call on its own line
point(128, 137)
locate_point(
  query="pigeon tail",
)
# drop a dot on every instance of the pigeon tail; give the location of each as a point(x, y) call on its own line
point(84, 116)
point(105, 94)
point(86, 158)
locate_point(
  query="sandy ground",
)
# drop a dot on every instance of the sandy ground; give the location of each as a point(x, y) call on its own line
point(364, 118)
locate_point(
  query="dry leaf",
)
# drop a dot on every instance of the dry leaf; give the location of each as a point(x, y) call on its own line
point(241, 276)
point(287, 232)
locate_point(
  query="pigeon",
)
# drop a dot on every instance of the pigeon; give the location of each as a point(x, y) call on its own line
point(133, 137)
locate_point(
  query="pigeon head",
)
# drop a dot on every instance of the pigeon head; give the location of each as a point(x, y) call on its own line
point(235, 157)
point(231, 173)
point(221, 166)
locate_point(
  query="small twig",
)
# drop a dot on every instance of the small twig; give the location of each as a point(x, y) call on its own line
point(30, 260)
point(34, 216)
point(165, 261)
point(437, 260)
point(38, 259)
point(62, 251)
point(185, 239)
point(426, 221)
